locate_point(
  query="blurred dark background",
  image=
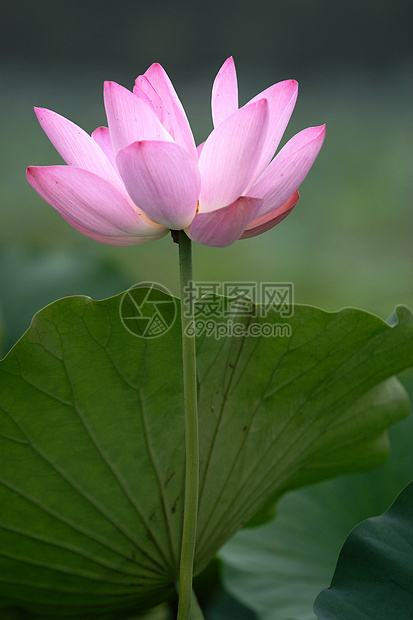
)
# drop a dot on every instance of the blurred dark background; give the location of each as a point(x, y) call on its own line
point(349, 240)
point(292, 35)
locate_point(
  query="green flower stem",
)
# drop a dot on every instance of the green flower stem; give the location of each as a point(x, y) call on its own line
point(191, 439)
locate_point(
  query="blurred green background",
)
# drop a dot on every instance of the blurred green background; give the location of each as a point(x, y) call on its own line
point(349, 240)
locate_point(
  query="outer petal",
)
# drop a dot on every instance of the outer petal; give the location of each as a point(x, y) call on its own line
point(261, 224)
point(224, 226)
point(129, 118)
point(288, 169)
point(281, 99)
point(230, 156)
point(163, 179)
point(224, 99)
point(171, 113)
point(93, 206)
point(76, 146)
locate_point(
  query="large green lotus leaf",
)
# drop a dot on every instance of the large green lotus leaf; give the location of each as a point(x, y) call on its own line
point(92, 442)
point(295, 413)
point(374, 574)
point(279, 569)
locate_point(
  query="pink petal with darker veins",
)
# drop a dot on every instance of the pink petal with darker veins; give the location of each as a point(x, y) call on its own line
point(230, 155)
point(156, 84)
point(281, 99)
point(130, 119)
point(265, 222)
point(163, 179)
point(145, 91)
point(224, 99)
point(224, 226)
point(288, 169)
point(92, 205)
point(75, 146)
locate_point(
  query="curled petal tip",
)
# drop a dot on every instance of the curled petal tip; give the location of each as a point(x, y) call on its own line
point(41, 111)
point(294, 86)
point(318, 133)
point(109, 85)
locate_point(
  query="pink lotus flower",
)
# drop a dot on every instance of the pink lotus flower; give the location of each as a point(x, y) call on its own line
point(141, 176)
